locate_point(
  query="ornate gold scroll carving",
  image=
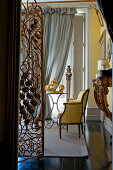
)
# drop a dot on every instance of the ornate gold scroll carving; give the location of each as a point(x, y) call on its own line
point(101, 85)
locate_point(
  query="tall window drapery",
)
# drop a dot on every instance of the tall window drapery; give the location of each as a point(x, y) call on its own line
point(58, 28)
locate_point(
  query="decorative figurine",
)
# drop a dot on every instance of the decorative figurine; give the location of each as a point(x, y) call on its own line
point(54, 87)
point(68, 78)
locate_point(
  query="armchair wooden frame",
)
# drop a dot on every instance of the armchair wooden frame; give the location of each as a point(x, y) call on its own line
point(83, 108)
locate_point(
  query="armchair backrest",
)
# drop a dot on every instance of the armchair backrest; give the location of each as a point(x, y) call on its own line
point(83, 97)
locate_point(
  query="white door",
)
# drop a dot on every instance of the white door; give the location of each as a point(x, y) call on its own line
point(78, 65)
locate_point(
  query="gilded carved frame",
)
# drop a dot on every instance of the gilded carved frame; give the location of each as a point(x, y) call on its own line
point(102, 42)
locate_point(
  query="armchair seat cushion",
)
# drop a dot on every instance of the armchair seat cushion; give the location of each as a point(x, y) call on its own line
point(75, 101)
point(60, 113)
point(71, 99)
point(65, 121)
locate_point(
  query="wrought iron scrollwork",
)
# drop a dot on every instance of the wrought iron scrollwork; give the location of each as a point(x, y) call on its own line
point(31, 130)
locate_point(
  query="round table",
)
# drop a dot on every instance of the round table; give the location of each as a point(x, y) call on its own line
point(49, 123)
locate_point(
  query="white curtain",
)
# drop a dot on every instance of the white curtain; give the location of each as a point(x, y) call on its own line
point(58, 30)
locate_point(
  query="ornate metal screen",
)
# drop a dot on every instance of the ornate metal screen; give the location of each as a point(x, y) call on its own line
point(31, 118)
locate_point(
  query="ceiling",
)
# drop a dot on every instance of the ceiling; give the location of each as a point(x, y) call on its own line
point(54, 1)
point(64, 3)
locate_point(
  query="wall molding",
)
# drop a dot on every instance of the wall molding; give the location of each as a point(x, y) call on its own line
point(93, 114)
point(108, 125)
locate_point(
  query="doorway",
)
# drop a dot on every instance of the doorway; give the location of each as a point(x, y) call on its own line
point(30, 73)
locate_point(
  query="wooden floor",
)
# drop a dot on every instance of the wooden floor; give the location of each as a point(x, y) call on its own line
point(100, 153)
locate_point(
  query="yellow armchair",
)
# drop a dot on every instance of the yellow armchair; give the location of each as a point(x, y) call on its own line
point(74, 112)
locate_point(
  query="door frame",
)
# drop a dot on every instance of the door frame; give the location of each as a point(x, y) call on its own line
point(12, 91)
point(13, 52)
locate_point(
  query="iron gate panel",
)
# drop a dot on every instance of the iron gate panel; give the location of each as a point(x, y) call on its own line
point(31, 111)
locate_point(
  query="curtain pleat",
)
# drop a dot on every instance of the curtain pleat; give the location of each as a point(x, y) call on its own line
point(57, 39)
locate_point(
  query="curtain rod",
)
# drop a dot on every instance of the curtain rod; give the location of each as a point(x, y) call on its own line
point(61, 2)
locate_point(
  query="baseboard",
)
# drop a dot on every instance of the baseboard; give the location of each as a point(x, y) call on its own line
point(93, 114)
point(108, 125)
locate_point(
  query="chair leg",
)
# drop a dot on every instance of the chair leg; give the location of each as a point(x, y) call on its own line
point(60, 131)
point(79, 129)
point(67, 128)
point(82, 127)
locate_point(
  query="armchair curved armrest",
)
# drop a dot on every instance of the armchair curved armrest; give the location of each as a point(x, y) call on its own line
point(70, 99)
point(74, 102)
point(72, 113)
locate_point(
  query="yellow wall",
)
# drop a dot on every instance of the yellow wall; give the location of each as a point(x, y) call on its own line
point(110, 92)
point(109, 96)
point(96, 32)
point(95, 49)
